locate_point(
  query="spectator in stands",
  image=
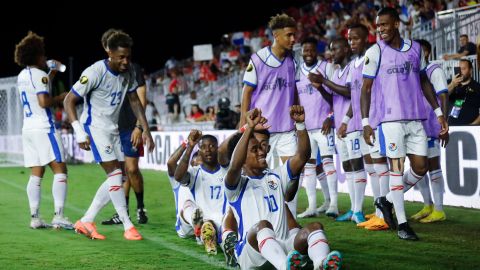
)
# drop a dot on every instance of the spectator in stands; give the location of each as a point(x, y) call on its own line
point(150, 112)
point(210, 115)
point(173, 103)
point(196, 114)
point(464, 94)
point(467, 48)
point(188, 103)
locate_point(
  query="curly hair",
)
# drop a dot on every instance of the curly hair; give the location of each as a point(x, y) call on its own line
point(119, 39)
point(281, 21)
point(107, 34)
point(29, 49)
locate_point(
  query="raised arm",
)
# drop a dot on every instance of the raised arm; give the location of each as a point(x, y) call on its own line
point(239, 155)
point(365, 109)
point(298, 161)
point(172, 161)
point(139, 112)
point(246, 100)
point(181, 172)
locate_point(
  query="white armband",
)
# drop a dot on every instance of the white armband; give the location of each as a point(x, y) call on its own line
point(80, 135)
point(346, 119)
point(365, 122)
point(300, 126)
point(438, 112)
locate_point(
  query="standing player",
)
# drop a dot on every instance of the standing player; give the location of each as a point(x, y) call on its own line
point(257, 198)
point(42, 145)
point(437, 78)
point(131, 139)
point(104, 86)
point(397, 63)
point(269, 84)
point(320, 131)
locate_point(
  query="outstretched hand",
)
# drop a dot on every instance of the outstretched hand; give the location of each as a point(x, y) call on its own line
point(297, 113)
point(194, 137)
point(254, 117)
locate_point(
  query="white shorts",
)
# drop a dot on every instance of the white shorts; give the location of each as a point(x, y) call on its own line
point(375, 149)
point(283, 144)
point(433, 149)
point(41, 147)
point(356, 145)
point(402, 138)
point(106, 146)
point(183, 228)
point(250, 258)
point(324, 143)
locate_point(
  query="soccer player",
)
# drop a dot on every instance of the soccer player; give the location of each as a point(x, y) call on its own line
point(131, 139)
point(257, 198)
point(205, 184)
point(104, 86)
point(397, 64)
point(269, 84)
point(319, 125)
point(433, 213)
point(42, 145)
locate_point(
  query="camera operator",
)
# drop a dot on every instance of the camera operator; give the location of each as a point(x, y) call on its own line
point(226, 118)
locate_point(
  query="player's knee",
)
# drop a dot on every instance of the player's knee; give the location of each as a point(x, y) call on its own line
point(357, 164)
point(264, 224)
point(420, 169)
point(132, 171)
point(314, 226)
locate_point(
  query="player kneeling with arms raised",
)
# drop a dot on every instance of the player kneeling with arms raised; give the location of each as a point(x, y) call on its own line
point(257, 198)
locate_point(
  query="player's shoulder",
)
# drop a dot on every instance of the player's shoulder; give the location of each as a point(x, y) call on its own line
point(98, 67)
point(263, 53)
point(36, 72)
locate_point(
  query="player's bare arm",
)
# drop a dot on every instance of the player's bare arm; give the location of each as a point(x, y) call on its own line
point(246, 100)
point(174, 158)
point(47, 101)
point(365, 99)
point(341, 90)
point(80, 136)
point(181, 172)
point(139, 112)
point(316, 83)
point(342, 130)
point(136, 137)
point(429, 94)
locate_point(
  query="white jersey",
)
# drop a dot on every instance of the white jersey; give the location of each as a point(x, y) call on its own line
point(181, 195)
point(32, 82)
point(104, 91)
point(208, 192)
point(263, 198)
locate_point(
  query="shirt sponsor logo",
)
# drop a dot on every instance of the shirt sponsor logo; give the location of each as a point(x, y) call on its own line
point(279, 83)
point(405, 68)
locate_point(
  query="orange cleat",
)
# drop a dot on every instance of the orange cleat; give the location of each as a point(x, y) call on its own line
point(369, 216)
point(88, 229)
point(132, 234)
point(378, 225)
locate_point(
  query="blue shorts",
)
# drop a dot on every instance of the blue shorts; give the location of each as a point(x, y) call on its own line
point(127, 147)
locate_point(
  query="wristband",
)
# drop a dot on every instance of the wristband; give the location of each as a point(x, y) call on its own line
point(346, 119)
point(300, 126)
point(243, 128)
point(139, 127)
point(365, 122)
point(438, 112)
point(184, 143)
point(330, 115)
point(80, 135)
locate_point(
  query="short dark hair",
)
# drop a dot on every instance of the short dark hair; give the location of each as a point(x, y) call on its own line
point(310, 40)
point(425, 44)
point(281, 21)
point(341, 40)
point(360, 26)
point(464, 35)
point(119, 39)
point(470, 65)
point(209, 137)
point(107, 34)
point(392, 12)
point(262, 131)
point(29, 49)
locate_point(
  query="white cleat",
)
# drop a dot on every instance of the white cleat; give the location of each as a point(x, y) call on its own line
point(59, 222)
point(332, 211)
point(37, 223)
point(307, 214)
point(324, 207)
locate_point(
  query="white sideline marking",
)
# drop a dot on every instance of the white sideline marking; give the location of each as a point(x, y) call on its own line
point(158, 240)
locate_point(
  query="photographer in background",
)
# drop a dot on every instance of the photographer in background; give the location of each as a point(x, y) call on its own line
point(226, 118)
point(464, 95)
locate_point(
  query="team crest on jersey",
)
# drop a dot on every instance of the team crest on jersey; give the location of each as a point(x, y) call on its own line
point(108, 149)
point(83, 79)
point(272, 184)
point(44, 80)
point(367, 60)
point(392, 147)
point(249, 68)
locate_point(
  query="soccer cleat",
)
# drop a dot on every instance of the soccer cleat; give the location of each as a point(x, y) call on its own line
point(142, 216)
point(307, 214)
point(426, 210)
point(369, 216)
point(333, 261)
point(37, 223)
point(434, 217)
point(88, 229)
point(295, 260)
point(345, 217)
point(386, 207)
point(367, 223)
point(132, 234)
point(332, 211)
point(378, 224)
point(229, 247)
point(358, 217)
point(405, 232)
point(197, 219)
point(324, 207)
point(209, 238)
point(59, 222)
point(114, 220)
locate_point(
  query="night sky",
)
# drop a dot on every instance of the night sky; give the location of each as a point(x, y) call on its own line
point(74, 29)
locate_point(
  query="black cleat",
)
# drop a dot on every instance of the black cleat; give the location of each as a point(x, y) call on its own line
point(405, 232)
point(114, 220)
point(142, 216)
point(386, 207)
point(229, 247)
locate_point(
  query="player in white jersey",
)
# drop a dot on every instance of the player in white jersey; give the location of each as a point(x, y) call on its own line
point(433, 213)
point(257, 197)
point(103, 87)
point(41, 143)
point(205, 184)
